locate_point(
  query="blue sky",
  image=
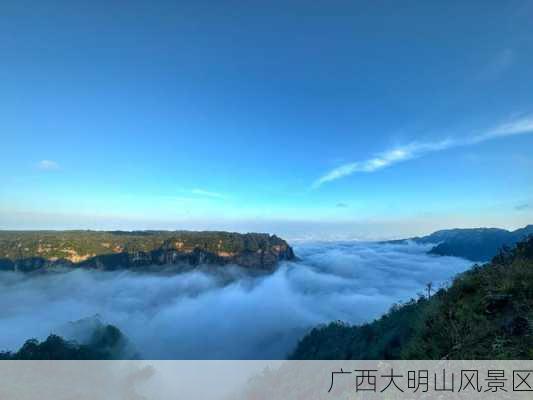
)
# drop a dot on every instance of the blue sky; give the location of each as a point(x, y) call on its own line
point(370, 119)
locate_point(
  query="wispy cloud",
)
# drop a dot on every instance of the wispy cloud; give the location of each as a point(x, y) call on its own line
point(522, 207)
point(341, 205)
point(413, 150)
point(47, 165)
point(514, 127)
point(206, 193)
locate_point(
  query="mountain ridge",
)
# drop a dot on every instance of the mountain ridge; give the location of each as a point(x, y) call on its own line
point(29, 251)
point(475, 244)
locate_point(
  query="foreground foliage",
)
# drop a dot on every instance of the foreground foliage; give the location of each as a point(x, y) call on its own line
point(487, 313)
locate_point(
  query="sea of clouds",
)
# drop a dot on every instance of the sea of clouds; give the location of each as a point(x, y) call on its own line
point(204, 314)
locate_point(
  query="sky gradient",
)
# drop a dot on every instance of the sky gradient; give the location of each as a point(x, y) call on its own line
point(366, 119)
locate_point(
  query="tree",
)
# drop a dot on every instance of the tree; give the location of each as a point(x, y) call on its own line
point(429, 288)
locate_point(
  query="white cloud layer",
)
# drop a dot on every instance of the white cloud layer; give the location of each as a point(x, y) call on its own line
point(206, 315)
point(416, 149)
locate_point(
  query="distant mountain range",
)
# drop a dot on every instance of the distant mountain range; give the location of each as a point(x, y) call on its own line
point(477, 244)
point(29, 251)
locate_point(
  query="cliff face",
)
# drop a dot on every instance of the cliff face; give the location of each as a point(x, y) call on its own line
point(34, 251)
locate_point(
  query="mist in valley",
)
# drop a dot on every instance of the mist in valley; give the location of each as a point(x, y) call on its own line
point(224, 313)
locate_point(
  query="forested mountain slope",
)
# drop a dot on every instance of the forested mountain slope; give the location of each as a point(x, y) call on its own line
point(487, 313)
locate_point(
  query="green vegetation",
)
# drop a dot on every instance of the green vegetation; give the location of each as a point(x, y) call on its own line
point(106, 343)
point(25, 244)
point(487, 313)
point(32, 250)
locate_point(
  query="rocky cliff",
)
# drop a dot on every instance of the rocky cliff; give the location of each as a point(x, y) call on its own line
point(44, 250)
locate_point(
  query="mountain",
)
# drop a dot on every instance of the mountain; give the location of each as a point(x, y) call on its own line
point(487, 313)
point(46, 250)
point(478, 244)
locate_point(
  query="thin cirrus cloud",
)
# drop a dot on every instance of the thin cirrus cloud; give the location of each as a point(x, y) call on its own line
point(207, 193)
point(418, 149)
point(47, 165)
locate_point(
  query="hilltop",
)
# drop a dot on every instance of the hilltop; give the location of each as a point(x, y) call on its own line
point(487, 313)
point(110, 250)
point(101, 342)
